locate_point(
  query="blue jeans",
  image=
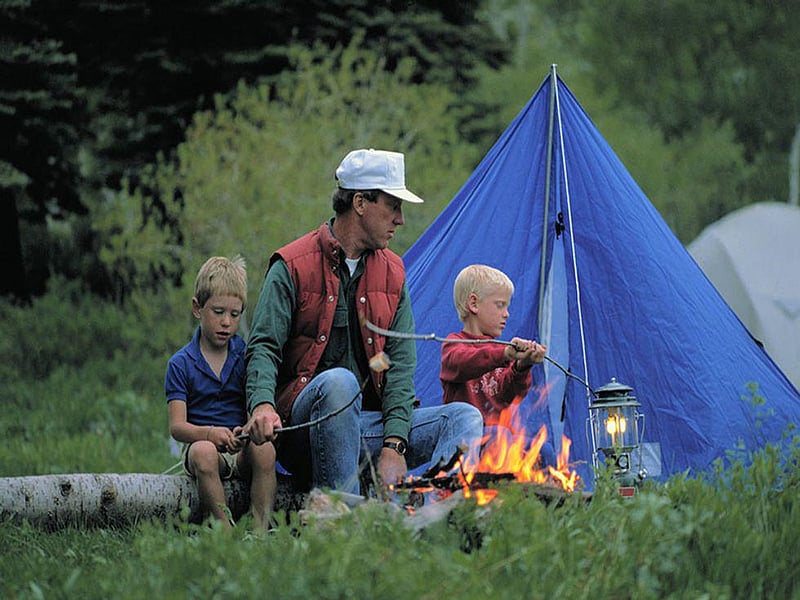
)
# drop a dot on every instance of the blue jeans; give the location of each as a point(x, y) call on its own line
point(329, 454)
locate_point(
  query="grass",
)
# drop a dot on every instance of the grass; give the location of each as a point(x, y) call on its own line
point(732, 534)
point(686, 540)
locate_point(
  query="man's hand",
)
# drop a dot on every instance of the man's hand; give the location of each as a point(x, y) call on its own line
point(262, 424)
point(392, 467)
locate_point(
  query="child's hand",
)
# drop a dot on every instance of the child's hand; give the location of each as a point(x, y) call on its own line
point(224, 439)
point(238, 442)
point(525, 352)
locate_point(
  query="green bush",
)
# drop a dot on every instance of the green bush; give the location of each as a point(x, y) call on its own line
point(65, 327)
point(258, 170)
point(68, 327)
point(84, 381)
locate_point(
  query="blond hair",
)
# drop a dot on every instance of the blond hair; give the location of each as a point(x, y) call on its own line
point(221, 276)
point(479, 280)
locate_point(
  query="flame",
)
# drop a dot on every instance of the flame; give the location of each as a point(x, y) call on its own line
point(511, 450)
point(568, 479)
point(510, 453)
point(482, 496)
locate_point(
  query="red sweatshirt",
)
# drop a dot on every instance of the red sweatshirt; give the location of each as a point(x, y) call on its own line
point(479, 374)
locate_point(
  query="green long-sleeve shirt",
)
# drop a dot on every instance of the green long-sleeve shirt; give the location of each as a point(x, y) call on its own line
point(271, 326)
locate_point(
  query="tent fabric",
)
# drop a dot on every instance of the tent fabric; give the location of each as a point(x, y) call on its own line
point(624, 299)
point(752, 256)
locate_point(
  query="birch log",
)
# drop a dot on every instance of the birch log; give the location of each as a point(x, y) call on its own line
point(110, 499)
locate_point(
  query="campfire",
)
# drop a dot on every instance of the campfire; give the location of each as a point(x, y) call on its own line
point(503, 458)
point(509, 456)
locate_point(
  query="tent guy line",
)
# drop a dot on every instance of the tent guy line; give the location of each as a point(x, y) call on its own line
point(432, 337)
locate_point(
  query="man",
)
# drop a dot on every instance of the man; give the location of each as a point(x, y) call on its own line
point(309, 349)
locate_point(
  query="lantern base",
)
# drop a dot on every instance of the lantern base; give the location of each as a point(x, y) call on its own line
point(629, 479)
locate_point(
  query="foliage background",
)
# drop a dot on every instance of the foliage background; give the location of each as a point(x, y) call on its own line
point(118, 137)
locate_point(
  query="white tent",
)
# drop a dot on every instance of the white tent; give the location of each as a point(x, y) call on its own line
point(752, 256)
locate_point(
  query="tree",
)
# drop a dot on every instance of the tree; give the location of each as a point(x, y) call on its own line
point(40, 112)
point(683, 62)
point(257, 171)
point(142, 68)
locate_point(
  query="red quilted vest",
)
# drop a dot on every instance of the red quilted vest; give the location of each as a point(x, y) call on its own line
point(313, 261)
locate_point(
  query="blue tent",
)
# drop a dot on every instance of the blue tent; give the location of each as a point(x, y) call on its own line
point(604, 283)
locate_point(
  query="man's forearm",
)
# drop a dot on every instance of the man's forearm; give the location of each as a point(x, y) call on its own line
point(269, 331)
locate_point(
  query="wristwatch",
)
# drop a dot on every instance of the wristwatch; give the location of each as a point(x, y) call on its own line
point(399, 447)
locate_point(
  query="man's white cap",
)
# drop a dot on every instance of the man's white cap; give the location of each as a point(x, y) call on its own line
point(375, 170)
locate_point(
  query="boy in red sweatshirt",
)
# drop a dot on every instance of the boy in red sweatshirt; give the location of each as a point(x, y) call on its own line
point(488, 376)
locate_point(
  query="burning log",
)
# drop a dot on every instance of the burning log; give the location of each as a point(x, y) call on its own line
point(453, 481)
point(483, 482)
point(109, 499)
point(450, 484)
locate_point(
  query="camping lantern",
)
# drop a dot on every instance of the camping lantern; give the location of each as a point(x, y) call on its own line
point(615, 420)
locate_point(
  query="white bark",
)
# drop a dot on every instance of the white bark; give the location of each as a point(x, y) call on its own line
point(109, 499)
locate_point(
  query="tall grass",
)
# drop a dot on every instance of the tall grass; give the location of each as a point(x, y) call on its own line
point(96, 405)
point(83, 382)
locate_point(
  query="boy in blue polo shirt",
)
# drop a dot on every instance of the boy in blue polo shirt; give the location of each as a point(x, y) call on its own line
point(206, 398)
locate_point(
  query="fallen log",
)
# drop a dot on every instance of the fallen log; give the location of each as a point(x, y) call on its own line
point(110, 499)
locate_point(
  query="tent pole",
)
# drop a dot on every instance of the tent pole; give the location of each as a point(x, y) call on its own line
point(794, 168)
point(545, 215)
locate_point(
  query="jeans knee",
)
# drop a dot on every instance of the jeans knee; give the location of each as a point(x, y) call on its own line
point(462, 422)
point(469, 419)
point(338, 386)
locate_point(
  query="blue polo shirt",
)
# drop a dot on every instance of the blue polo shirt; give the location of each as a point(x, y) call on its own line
point(210, 400)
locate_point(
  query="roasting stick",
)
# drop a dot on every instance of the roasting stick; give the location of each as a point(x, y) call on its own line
point(435, 338)
point(379, 362)
point(428, 336)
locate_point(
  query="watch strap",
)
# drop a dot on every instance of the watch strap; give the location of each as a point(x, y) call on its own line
point(399, 447)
